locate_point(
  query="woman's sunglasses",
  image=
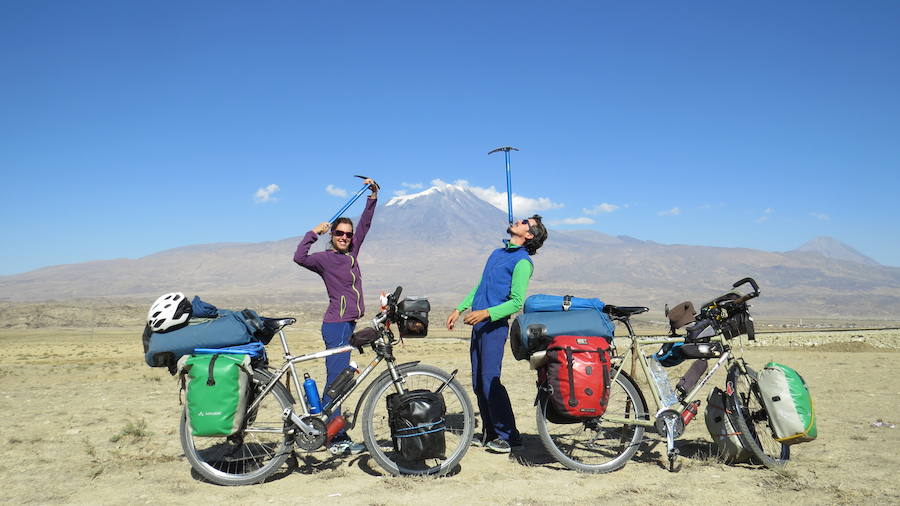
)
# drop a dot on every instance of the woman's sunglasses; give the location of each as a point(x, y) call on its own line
point(341, 233)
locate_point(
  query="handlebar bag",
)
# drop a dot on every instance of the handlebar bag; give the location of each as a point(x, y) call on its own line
point(217, 387)
point(229, 329)
point(417, 424)
point(789, 404)
point(720, 425)
point(578, 373)
point(539, 303)
point(414, 316)
point(531, 332)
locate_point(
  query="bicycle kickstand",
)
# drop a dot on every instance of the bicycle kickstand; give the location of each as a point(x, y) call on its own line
point(670, 445)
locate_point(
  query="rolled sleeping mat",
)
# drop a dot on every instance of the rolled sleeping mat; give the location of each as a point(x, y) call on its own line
point(531, 332)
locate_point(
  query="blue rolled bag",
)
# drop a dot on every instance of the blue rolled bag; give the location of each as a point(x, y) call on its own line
point(229, 328)
point(548, 316)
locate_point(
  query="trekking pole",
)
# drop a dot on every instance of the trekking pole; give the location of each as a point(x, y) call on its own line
point(506, 151)
point(351, 201)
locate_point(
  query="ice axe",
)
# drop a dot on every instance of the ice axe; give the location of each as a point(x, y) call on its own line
point(506, 151)
point(351, 201)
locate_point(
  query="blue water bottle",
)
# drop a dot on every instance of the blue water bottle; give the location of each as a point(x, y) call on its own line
point(312, 394)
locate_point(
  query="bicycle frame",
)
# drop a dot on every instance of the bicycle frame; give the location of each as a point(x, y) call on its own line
point(636, 350)
point(289, 368)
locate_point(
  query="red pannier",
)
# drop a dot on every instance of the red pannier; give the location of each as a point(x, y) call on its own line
point(578, 374)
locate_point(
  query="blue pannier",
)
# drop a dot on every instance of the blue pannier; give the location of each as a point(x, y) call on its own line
point(229, 329)
point(539, 303)
point(531, 332)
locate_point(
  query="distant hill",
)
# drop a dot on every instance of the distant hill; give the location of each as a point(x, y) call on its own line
point(830, 247)
point(434, 243)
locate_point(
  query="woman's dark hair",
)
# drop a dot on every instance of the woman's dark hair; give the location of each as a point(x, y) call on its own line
point(540, 235)
point(340, 220)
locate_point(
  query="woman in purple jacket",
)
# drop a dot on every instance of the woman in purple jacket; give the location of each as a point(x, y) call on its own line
point(339, 268)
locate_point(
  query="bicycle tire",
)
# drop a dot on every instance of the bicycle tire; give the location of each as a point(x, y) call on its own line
point(460, 422)
point(595, 445)
point(251, 455)
point(751, 420)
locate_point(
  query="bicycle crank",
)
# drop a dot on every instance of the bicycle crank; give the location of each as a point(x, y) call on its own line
point(311, 442)
point(668, 421)
point(312, 433)
point(669, 424)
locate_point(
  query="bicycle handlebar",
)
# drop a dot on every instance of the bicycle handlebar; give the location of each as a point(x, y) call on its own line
point(747, 296)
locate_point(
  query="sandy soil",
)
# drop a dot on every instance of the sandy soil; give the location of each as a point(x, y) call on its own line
point(86, 422)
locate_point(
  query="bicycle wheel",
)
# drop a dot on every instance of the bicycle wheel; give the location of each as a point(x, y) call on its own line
point(459, 422)
point(251, 455)
point(751, 420)
point(595, 445)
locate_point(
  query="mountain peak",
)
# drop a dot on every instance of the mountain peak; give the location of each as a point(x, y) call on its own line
point(445, 188)
point(830, 247)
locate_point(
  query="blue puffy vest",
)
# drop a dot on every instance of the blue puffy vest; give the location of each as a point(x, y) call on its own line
point(497, 277)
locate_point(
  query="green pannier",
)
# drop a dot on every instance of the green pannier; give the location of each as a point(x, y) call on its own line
point(721, 428)
point(217, 387)
point(786, 398)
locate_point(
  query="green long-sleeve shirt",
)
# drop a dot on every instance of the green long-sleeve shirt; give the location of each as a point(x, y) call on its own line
point(517, 290)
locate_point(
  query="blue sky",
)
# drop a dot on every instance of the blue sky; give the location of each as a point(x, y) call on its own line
point(128, 128)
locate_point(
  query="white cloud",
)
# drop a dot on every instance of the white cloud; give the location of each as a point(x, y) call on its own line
point(581, 220)
point(406, 188)
point(821, 216)
point(600, 208)
point(767, 213)
point(335, 191)
point(675, 211)
point(264, 195)
point(522, 206)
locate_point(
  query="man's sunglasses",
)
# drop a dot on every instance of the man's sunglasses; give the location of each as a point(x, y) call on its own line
point(341, 233)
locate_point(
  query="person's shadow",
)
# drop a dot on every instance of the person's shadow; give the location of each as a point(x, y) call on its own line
point(532, 452)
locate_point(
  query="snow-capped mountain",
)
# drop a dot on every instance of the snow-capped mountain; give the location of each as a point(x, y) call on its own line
point(440, 212)
point(434, 243)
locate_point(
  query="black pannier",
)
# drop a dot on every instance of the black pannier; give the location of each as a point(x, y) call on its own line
point(414, 316)
point(417, 424)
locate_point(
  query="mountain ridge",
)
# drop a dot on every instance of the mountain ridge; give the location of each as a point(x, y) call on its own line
point(435, 243)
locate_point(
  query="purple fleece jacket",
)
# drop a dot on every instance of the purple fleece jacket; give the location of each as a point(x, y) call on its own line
point(339, 271)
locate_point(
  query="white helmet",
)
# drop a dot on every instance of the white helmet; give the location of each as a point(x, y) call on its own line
point(170, 311)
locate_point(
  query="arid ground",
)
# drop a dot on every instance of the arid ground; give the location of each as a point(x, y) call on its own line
point(87, 422)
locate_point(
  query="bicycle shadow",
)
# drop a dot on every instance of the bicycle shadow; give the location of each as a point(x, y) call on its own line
point(655, 452)
point(282, 473)
point(310, 463)
point(366, 464)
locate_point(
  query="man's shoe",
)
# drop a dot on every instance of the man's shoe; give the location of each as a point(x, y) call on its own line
point(498, 446)
point(346, 446)
point(478, 440)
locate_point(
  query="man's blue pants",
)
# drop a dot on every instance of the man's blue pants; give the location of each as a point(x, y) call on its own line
point(486, 349)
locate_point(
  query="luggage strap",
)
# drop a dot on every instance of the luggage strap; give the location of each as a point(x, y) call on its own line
point(572, 400)
point(210, 380)
point(567, 302)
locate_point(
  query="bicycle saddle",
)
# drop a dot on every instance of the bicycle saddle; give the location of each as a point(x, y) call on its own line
point(276, 324)
point(624, 311)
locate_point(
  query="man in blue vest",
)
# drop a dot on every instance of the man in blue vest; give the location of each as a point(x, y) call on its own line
point(499, 294)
